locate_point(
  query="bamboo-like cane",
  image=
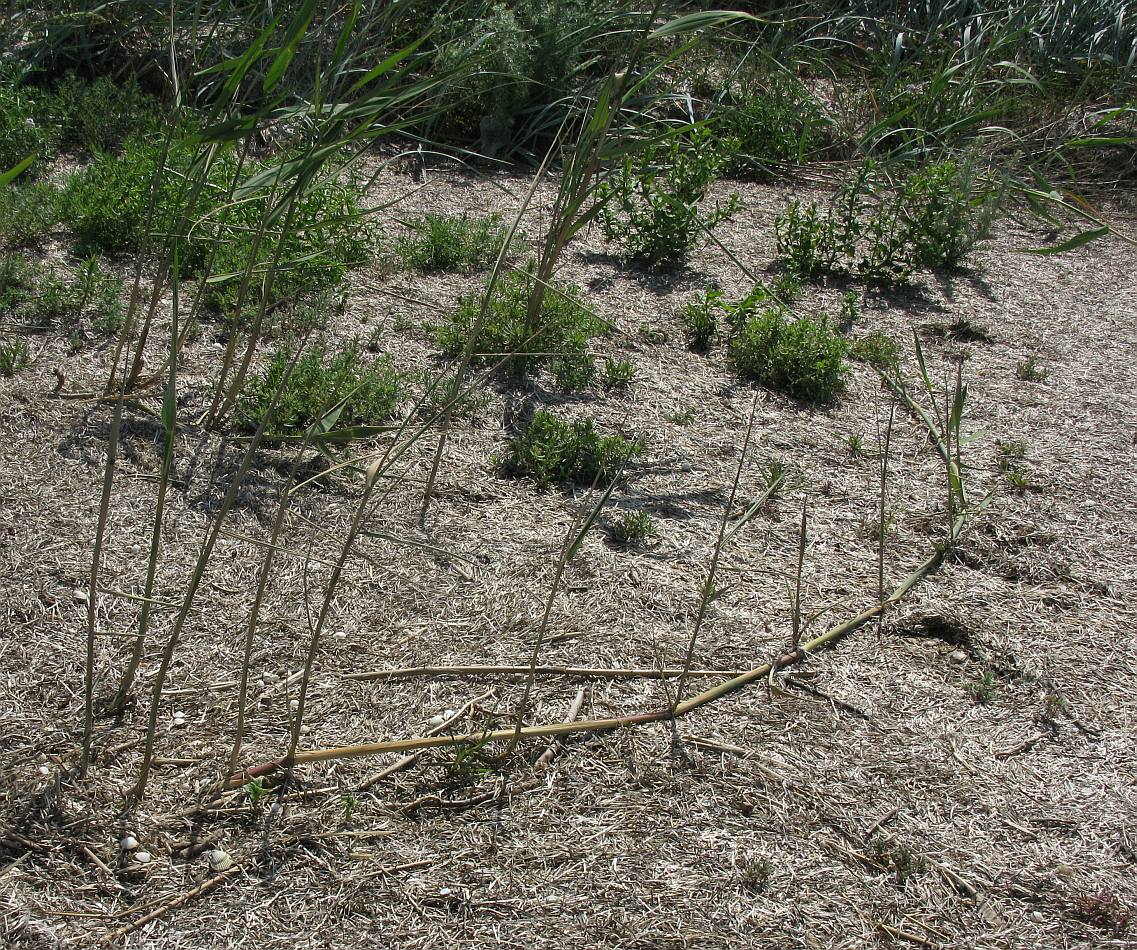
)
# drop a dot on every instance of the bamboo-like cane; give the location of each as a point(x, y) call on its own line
point(759, 673)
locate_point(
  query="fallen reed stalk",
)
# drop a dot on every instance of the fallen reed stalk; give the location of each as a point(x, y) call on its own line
point(548, 730)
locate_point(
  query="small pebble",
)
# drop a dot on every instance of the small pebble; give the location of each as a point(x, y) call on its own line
point(219, 860)
point(128, 843)
point(305, 730)
point(1037, 917)
point(436, 720)
point(958, 656)
point(45, 769)
point(294, 704)
point(136, 549)
point(80, 596)
point(686, 467)
point(143, 857)
point(269, 677)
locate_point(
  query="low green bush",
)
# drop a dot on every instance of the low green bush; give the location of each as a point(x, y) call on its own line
point(555, 451)
point(932, 220)
point(29, 212)
point(803, 358)
point(452, 242)
point(560, 332)
point(21, 132)
point(368, 389)
point(652, 203)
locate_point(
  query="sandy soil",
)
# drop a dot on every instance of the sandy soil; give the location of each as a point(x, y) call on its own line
point(864, 798)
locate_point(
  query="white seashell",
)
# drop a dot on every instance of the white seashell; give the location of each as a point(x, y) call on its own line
point(45, 769)
point(219, 860)
point(143, 857)
point(437, 720)
point(128, 843)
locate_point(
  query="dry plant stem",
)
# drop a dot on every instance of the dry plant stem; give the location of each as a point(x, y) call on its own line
point(254, 611)
point(572, 544)
point(203, 888)
point(709, 583)
point(802, 539)
point(756, 675)
point(195, 580)
point(883, 509)
point(584, 672)
point(546, 757)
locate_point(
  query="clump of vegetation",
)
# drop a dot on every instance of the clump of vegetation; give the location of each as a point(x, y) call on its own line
point(1031, 370)
point(700, 320)
point(554, 451)
point(983, 690)
point(21, 133)
point(98, 114)
point(803, 358)
point(1103, 909)
point(898, 858)
point(755, 874)
point(39, 295)
point(774, 119)
point(452, 242)
point(652, 204)
point(632, 527)
point(29, 212)
point(1010, 457)
point(13, 356)
point(561, 330)
point(883, 235)
point(877, 349)
point(358, 392)
point(619, 374)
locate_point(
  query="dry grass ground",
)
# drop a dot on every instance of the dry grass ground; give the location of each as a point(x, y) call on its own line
point(866, 799)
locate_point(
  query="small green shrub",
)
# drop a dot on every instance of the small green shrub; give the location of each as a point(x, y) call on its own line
point(885, 235)
point(1031, 370)
point(369, 391)
point(652, 203)
point(619, 374)
point(29, 212)
point(561, 330)
point(452, 242)
point(983, 690)
point(108, 203)
point(572, 373)
point(554, 451)
point(877, 349)
point(1011, 455)
point(98, 114)
point(700, 320)
point(632, 527)
point(40, 295)
point(803, 358)
point(13, 356)
point(775, 119)
point(21, 133)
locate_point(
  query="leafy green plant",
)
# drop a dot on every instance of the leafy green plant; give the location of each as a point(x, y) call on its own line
point(452, 242)
point(877, 349)
point(13, 356)
point(776, 476)
point(21, 134)
point(803, 358)
point(681, 417)
point(39, 294)
point(652, 205)
point(1031, 370)
point(756, 873)
point(884, 235)
point(632, 527)
point(29, 212)
point(340, 390)
point(898, 858)
point(98, 114)
point(855, 445)
point(619, 374)
point(700, 320)
point(774, 118)
point(1010, 457)
point(562, 329)
point(984, 689)
point(556, 451)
